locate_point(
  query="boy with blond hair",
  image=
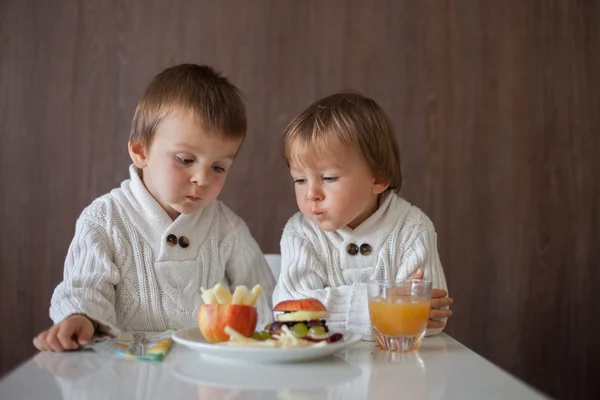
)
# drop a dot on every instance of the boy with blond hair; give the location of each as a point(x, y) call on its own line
point(353, 226)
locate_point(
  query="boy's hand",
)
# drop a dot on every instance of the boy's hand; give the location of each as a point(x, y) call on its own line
point(68, 334)
point(439, 299)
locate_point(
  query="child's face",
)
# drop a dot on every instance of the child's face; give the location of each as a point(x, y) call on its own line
point(184, 168)
point(338, 190)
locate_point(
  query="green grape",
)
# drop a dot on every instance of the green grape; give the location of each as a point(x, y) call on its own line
point(317, 331)
point(262, 335)
point(265, 335)
point(300, 330)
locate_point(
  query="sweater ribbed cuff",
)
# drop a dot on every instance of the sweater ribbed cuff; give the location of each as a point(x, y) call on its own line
point(93, 313)
point(358, 318)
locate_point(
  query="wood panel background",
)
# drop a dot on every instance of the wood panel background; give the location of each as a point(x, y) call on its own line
point(496, 107)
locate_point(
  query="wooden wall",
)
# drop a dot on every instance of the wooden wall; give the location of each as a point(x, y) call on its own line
point(496, 108)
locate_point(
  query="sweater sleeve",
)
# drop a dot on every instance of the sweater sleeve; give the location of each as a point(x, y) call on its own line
point(247, 266)
point(302, 276)
point(90, 276)
point(423, 253)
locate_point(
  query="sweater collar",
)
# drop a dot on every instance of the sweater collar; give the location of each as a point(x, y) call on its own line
point(381, 222)
point(153, 222)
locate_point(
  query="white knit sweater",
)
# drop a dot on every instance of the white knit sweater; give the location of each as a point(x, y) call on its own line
point(315, 263)
point(121, 272)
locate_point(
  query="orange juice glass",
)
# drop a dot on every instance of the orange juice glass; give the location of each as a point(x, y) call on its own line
point(399, 312)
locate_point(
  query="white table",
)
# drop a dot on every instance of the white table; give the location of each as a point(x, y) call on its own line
point(442, 369)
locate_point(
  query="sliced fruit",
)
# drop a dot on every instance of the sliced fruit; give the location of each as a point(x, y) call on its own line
point(213, 318)
point(301, 316)
point(275, 326)
point(265, 335)
point(310, 304)
point(262, 335)
point(299, 330)
point(317, 330)
point(317, 334)
point(335, 337)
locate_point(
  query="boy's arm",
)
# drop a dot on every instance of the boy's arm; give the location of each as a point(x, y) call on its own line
point(247, 266)
point(302, 276)
point(423, 254)
point(89, 279)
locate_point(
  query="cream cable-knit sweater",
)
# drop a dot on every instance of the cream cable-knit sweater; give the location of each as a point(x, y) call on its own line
point(121, 272)
point(315, 263)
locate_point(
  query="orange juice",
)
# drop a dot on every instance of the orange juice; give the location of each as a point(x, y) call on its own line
point(399, 315)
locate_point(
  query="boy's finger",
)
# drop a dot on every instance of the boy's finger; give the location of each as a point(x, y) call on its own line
point(85, 334)
point(435, 324)
point(65, 337)
point(48, 338)
point(52, 340)
point(438, 293)
point(39, 343)
point(439, 303)
point(418, 274)
point(436, 314)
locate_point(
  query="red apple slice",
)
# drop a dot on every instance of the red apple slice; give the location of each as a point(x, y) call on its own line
point(213, 318)
point(309, 304)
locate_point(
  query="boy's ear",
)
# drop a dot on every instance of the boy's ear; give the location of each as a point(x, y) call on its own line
point(137, 152)
point(380, 185)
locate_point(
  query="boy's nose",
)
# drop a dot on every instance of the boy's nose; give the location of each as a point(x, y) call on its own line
point(200, 178)
point(314, 194)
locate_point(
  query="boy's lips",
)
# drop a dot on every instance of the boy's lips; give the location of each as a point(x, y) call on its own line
point(193, 198)
point(318, 214)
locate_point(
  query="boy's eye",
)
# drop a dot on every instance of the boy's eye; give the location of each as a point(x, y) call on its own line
point(217, 169)
point(330, 178)
point(184, 161)
point(299, 181)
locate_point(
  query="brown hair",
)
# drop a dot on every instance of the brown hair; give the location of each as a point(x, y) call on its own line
point(356, 121)
point(211, 99)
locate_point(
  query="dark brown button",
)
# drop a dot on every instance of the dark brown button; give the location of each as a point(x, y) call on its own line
point(171, 240)
point(365, 249)
point(184, 242)
point(352, 249)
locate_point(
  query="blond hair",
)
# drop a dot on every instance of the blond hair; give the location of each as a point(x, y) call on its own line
point(209, 98)
point(356, 121)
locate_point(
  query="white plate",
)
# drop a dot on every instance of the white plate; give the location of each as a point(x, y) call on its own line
point(192, 338)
